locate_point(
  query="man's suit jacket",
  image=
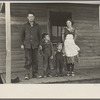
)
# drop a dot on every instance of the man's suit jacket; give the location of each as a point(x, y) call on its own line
point(31, 36)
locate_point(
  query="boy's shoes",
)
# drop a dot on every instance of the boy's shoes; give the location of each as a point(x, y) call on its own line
point(49, 75)
point(45, 76)
point(27, 77)
point(68, 74)
point(36, 76)
point(56, 75)
point(61, 75)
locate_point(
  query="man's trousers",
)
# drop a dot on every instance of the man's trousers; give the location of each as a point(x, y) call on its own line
point(31, 60)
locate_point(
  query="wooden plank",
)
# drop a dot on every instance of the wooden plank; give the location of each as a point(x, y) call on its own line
point(8, 43)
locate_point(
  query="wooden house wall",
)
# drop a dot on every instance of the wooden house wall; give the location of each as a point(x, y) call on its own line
point(86, 18)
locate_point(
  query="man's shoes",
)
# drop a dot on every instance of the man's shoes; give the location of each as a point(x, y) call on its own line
point(27, 77)
point(39, 76)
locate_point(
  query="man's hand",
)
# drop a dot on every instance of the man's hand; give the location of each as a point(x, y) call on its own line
point(40, 47)
point(22, 46)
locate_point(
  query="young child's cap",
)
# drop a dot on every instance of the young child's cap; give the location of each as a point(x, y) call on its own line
point(59, 44)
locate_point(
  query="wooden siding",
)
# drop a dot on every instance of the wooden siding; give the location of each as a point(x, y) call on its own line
point(86, 18)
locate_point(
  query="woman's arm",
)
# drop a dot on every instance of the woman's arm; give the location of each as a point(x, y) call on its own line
point(63, 31)
point(75, 36)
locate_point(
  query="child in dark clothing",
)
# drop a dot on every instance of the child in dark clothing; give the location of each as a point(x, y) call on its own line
point(47, 49)
point(59, 59)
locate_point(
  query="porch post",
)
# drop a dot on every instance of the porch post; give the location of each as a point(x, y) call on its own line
point(8, 42)
point(99, 17)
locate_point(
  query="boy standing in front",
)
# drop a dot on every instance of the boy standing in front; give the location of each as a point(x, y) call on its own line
point(47, 49)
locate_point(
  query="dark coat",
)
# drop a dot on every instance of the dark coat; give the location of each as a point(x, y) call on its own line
point(31, 36)
point(47, 48)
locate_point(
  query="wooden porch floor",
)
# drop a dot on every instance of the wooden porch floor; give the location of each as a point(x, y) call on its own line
point(81, 75)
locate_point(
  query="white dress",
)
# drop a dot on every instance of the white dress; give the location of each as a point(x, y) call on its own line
point(71, 49)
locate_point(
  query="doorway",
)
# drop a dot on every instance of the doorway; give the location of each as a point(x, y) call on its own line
point(57, 23)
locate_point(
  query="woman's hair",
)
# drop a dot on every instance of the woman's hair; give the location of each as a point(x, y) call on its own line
point(70, 21)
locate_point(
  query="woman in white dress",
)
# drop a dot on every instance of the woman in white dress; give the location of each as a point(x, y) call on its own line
point(70, 48)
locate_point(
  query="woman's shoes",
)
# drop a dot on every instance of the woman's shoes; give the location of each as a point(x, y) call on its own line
point(70, 74)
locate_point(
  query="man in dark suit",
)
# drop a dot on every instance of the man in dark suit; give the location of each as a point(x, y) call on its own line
point(31, 39)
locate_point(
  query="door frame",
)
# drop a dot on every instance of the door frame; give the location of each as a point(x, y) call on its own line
point(48, 19)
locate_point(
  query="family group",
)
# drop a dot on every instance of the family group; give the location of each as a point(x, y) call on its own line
point(66, 53)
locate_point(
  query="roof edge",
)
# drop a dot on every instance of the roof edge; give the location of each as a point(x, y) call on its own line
point(2, 6)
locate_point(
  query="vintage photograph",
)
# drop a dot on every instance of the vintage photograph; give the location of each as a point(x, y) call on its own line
point(49, 43)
